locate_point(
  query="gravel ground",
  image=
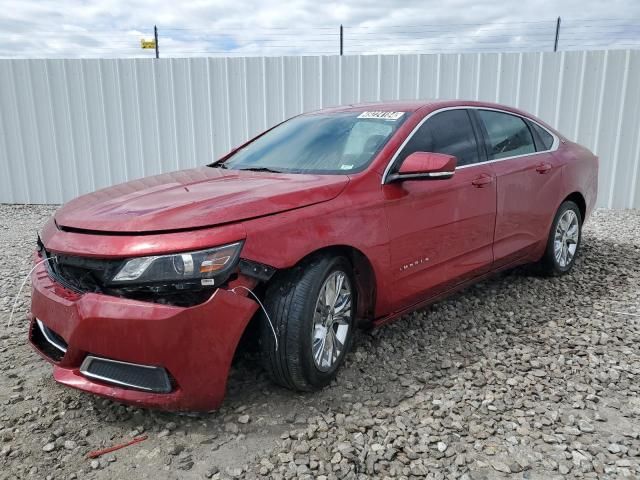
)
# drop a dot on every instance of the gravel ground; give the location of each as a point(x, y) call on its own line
point(519, 377)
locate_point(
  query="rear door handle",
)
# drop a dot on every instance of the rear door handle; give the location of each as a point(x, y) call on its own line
point(543, 168)
point(482, 181)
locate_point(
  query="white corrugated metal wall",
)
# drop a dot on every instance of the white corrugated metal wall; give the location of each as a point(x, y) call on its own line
point(72, 126)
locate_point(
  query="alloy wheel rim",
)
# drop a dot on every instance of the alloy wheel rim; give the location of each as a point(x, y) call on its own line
point(566, 238)
point(331, 321)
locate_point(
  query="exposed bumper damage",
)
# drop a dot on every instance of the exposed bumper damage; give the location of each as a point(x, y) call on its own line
point(193, 345)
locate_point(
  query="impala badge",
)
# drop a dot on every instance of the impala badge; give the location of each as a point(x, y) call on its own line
point(415, 263)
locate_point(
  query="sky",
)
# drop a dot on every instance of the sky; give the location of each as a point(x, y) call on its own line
point(114, 28)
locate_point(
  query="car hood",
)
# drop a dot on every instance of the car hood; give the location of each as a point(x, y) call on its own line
point(195, 198)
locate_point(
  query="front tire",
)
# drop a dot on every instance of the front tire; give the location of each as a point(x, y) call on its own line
point(312, 308)
point(564, 240)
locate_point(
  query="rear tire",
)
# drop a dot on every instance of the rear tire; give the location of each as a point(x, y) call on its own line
point(310, 320)
point(564, 239)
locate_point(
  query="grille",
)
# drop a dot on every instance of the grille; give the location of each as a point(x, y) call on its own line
point(78, 273)
point(90, 275)
point(48, 341)
point(124, 374)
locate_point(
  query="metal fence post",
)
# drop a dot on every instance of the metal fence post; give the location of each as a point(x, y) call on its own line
point(155, 35)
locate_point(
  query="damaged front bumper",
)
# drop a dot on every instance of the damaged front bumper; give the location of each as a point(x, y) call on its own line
point(105, 343)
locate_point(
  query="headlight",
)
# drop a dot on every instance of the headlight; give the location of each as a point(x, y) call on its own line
point(205, 267)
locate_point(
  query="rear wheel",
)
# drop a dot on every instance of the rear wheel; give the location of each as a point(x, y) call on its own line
point(564, 240)
point(312, 308)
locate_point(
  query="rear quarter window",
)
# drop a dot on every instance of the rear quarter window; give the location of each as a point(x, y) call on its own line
point(544, 140)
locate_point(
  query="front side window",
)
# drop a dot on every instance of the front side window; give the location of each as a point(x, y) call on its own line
point(508, 135)
point(447, 132)
point(326, 143)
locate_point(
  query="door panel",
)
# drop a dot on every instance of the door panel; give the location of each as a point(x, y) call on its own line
point(441, 231)
point(528, 184)
point(527, 198)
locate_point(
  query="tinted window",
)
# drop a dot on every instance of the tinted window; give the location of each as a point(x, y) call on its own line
point(508, 135)
point(447, 132)
point(544, 140)
point(334, 143)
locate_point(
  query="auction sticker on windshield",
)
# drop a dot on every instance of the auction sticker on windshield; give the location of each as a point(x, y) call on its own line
point(382, 115)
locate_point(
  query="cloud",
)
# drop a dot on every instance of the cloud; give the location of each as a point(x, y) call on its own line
point(113, 28)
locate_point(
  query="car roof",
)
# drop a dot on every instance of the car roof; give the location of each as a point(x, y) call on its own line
point(427, 105)
point(414, 105)
point(396, 106)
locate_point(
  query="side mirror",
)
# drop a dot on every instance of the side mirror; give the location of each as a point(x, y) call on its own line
point(425, 166)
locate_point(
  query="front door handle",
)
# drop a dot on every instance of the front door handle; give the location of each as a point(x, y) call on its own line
point(482, 181)
point(543, 168)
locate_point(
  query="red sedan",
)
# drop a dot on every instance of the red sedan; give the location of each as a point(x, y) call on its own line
point(343, 217)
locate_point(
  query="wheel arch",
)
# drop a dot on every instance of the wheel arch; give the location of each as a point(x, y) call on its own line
point(577, 198)
point(366, 288)
point(364, 277)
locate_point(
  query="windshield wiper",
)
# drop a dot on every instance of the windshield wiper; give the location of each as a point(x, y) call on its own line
point(261, 169)
point(218, 165)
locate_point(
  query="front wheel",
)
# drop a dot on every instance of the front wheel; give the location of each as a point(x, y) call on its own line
point(564, 240)
point(312, 308)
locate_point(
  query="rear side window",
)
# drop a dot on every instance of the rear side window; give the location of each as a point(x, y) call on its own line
point(544, 140)
point(508, 135)
point(447, 132)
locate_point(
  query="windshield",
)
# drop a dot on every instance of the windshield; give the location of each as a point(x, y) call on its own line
point(332, 143)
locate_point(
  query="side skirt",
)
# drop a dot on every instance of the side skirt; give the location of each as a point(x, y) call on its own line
point(433, 299)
